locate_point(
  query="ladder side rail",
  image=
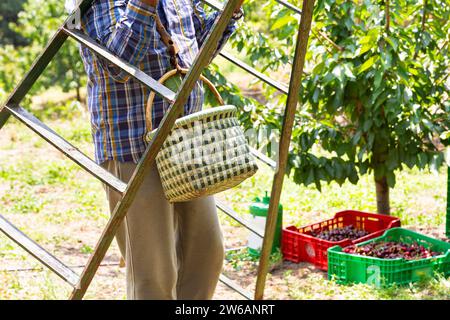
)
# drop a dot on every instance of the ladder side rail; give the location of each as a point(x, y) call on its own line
point(153, 148)
point(288, 122)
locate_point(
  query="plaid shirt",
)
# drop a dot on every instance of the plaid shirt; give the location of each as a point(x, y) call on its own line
point(117, 101)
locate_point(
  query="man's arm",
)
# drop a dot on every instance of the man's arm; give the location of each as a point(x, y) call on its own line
point(131, 36)
point(150, 2)
point(204, 23)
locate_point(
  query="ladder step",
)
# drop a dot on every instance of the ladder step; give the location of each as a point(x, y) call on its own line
point(289, 6)
point(214, 4)
point(38, 252)
point(244, 222)
point(142, 77)
point(69, 150)
point(232, 285)
point(261, 76)
point(265, 159)
point(219, 6)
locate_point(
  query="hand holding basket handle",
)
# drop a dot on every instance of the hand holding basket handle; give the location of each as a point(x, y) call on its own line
point(207, 151)
point(167, 76)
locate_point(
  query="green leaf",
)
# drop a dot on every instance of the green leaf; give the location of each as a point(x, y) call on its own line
point(367, 125)
point(423, 160)
point(378, 77)
point(393, 42)
point(366, 47)
point(310, 177)
point(369, 63)
point(390, 177)
point(280, 23)
point(348, 72)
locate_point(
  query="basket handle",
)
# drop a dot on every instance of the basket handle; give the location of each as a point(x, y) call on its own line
point(164, 78)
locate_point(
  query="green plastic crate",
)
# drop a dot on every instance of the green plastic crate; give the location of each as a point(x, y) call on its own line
point(351, 268)
point(447, 222)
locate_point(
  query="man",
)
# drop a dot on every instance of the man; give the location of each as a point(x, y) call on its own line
point(172, 251)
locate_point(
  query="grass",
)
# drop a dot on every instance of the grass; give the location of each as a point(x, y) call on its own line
point(64, 209)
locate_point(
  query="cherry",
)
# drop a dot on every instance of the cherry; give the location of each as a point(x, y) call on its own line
point(392, 250)
point(338, 234)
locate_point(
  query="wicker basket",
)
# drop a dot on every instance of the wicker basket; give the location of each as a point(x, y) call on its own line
point(205, 153)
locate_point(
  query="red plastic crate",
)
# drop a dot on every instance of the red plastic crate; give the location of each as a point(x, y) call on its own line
point(297, 244)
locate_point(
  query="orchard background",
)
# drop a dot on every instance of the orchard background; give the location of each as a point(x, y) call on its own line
point(370, 135)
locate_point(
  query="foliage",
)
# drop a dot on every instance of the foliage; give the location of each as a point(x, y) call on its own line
point(38, 22)
point(13, 65)
point(375, 98)
point(10, 10)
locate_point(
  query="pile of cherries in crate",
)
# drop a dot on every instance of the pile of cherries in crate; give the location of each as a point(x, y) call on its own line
point(339, 234)
point(392, 250)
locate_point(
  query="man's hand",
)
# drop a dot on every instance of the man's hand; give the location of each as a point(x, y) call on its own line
point(150, 2)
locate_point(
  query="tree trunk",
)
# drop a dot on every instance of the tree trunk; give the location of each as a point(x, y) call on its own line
point(382, 189)
point(78, 93)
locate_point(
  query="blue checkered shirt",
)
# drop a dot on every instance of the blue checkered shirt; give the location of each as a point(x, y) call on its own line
point(117, 101)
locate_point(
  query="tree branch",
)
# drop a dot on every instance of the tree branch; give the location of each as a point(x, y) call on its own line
point(388, 16)
point(321, 35)
point(336, 46)
point(424, 14)
point(321, 41)
point(422, 29)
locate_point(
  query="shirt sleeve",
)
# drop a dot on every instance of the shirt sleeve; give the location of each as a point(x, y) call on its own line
point(130, 38)
point(203, 24)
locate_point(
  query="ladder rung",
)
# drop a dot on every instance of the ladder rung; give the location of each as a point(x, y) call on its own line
point(264, 158)
point(277, 85)
point(244, 222)
point(289, 6)
point(219, 6)
point(38, 252)
point(131, 70)
point(214, 4)
point(231, 284)
point(235, 249)
point(69, 150)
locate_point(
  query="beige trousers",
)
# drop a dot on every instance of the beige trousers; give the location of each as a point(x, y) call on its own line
point(172, 251)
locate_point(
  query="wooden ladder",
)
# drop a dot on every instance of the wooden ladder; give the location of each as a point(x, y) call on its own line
point(80, 283)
